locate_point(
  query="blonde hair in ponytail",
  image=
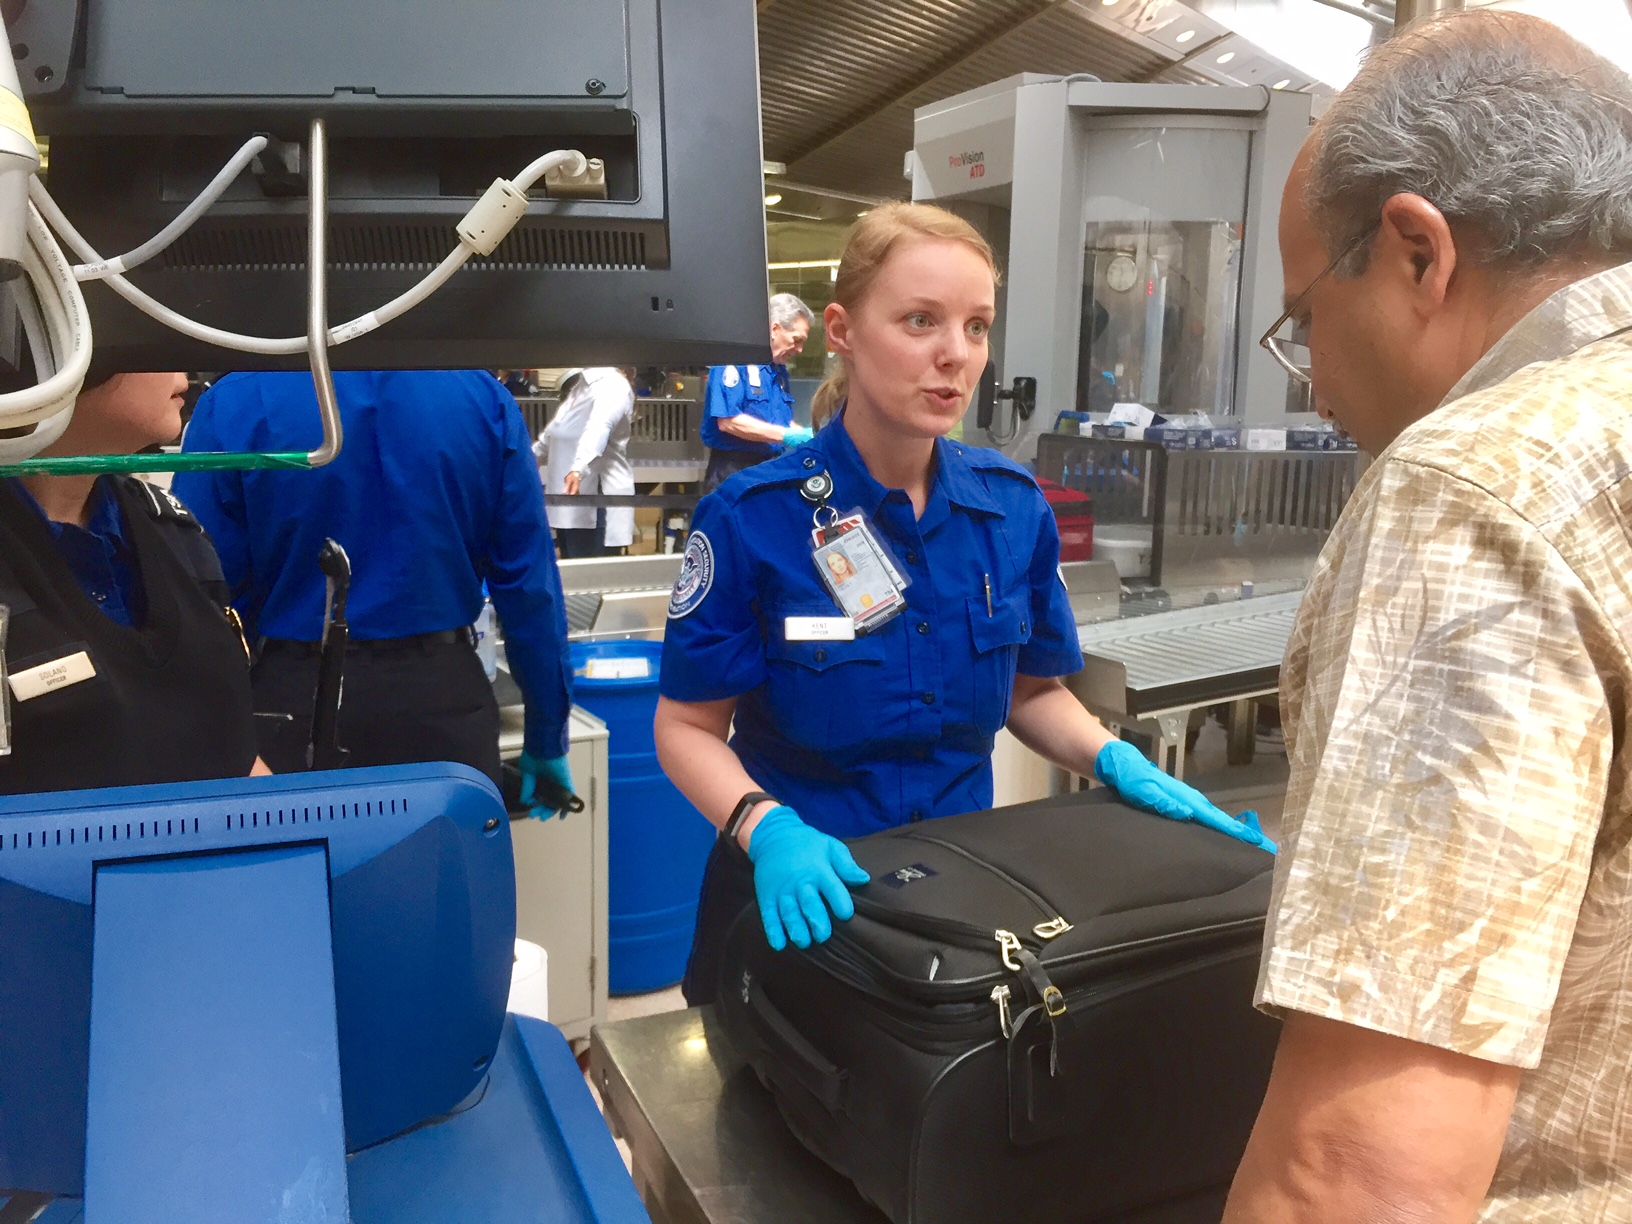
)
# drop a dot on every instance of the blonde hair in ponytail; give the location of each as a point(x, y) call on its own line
point(872, 241)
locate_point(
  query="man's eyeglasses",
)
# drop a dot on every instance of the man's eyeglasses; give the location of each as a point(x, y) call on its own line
point(1290, 352)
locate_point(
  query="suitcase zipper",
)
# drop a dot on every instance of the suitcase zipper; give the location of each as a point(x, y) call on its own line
point(1052, 926)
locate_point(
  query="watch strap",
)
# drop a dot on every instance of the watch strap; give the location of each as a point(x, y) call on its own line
point(740, 813)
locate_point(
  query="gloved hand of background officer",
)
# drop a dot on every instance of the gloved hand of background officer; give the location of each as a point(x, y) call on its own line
point(799, 875)
point(796, 435)
point(554, 773)
point(1124, 769)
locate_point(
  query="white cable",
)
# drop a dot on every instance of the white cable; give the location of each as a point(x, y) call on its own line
point(201, 204)
point(288, 346)
point(58, 327)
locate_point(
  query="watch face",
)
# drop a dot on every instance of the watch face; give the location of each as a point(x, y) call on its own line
point(1121, 274)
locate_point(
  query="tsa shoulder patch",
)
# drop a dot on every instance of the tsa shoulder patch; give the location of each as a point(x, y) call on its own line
point(696, 577)
point(730, 376)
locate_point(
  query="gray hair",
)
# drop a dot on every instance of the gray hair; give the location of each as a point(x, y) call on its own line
point(786, 310)
point(1500, 120)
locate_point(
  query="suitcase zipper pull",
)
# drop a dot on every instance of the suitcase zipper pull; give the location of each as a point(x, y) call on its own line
point(1000, 996)
point(1009, 943)
point(1051, 929)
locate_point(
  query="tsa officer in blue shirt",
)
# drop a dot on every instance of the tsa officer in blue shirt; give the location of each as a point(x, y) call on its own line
point(435, 492)
point(748, 410)
point(858, 705)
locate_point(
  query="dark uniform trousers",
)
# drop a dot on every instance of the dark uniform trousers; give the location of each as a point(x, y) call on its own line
point(728, 889)
point(723, 464)
point(404, 700)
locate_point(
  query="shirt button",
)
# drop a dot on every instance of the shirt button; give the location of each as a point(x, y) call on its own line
point(915, 817)
point(821, 656)
point(923, 627)
point(929, 698)
point(912, 557)
point(1022, 626)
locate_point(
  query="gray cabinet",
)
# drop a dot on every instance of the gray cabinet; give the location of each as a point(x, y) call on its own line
point(561, 869)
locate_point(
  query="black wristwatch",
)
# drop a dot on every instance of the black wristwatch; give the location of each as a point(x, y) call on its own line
point(740, 813)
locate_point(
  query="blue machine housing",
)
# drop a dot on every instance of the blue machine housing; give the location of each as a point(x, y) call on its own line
point(422, 904)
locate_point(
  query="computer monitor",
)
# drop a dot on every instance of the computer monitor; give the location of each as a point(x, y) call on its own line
point(421, 912)
point(426, 103)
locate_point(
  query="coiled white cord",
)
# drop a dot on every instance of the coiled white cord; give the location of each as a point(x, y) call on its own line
point(58, 327)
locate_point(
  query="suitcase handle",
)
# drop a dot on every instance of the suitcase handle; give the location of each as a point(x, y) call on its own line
point(809, 1065)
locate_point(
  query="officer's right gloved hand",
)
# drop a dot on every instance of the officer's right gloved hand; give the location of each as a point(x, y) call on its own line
point(799, 875)
point(545, 782)
point(796, 435)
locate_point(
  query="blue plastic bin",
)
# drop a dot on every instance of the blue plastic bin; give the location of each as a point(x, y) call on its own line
point(659, 842)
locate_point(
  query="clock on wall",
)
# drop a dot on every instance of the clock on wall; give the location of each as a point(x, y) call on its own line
point(1121, 274)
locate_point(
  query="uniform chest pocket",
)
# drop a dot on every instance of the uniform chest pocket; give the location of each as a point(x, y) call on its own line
point(820, 691)
point(996, 636)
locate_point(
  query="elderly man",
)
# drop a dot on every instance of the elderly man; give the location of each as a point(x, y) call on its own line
point(1450, 941)
point(748, 410)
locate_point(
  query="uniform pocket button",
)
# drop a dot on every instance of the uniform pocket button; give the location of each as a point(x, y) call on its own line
point(923, 626)
point(821, 656)
point(912, 558)
point(929, 698)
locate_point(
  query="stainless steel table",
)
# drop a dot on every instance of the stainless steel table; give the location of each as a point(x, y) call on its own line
point(707, 1143)
point(1150, 672)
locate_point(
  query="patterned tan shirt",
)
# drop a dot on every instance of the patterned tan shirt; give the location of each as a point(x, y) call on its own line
point(1456, 865)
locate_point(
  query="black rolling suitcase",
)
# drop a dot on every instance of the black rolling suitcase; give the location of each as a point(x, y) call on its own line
point(1041, 1012)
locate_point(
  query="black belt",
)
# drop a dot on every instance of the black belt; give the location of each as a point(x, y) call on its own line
point(443, 637)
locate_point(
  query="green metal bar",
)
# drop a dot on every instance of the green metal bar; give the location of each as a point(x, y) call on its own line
point(216, 461)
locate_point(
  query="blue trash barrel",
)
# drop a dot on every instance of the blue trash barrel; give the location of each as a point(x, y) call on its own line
point(658, 841)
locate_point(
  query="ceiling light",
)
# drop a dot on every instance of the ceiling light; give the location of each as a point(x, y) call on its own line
point(1185, 37)
point(1282, 84)
point(1225, 58)
point(772, 200)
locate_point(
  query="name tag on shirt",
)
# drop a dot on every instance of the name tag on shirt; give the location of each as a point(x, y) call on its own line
point(819, 629)
point(49, 677)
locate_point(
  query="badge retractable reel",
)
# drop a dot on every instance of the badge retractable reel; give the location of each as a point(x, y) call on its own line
point(855, 566)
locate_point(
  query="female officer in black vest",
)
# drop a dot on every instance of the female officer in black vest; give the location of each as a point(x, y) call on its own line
point(124, 668)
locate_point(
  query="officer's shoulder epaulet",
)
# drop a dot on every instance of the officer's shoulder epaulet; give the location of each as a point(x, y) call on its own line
point(162, 506)
point(988, 459)
point(784, 470)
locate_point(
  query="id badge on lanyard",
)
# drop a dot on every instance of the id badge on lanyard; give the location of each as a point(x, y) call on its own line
point(854, 564)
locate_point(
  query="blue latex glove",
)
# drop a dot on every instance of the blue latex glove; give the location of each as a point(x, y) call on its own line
point(532, 769)
point(1124, 769)
point(796, 435)
point(800, 874)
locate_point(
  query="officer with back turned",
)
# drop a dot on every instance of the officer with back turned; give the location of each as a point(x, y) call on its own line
point(435, 492)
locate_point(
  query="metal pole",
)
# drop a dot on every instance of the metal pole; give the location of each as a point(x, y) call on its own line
point(1407, 11)
point(317, 292)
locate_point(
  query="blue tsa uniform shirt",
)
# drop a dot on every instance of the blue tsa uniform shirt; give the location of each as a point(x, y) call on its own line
point(898, 724)
point(760, 391)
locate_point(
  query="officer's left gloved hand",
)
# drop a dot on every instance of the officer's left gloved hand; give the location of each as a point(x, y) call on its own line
point(1124, 769)
point(556, 786)
point(796, 435)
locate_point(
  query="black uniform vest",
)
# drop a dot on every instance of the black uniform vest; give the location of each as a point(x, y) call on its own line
point(170, 701)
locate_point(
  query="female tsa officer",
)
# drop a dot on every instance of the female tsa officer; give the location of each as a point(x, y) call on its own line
point(860, 705)
point(124, 667)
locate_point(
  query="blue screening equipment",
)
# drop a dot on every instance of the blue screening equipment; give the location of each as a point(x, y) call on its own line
point(281, 999)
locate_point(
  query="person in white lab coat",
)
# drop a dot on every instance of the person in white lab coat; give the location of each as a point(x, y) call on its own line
point(585, 450)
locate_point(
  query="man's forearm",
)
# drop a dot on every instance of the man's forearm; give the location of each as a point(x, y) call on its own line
point(751, 429)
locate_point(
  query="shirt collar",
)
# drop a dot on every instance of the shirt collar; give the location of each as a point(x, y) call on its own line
point(953, 476)
point(103, 524)
point(1579, 314)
